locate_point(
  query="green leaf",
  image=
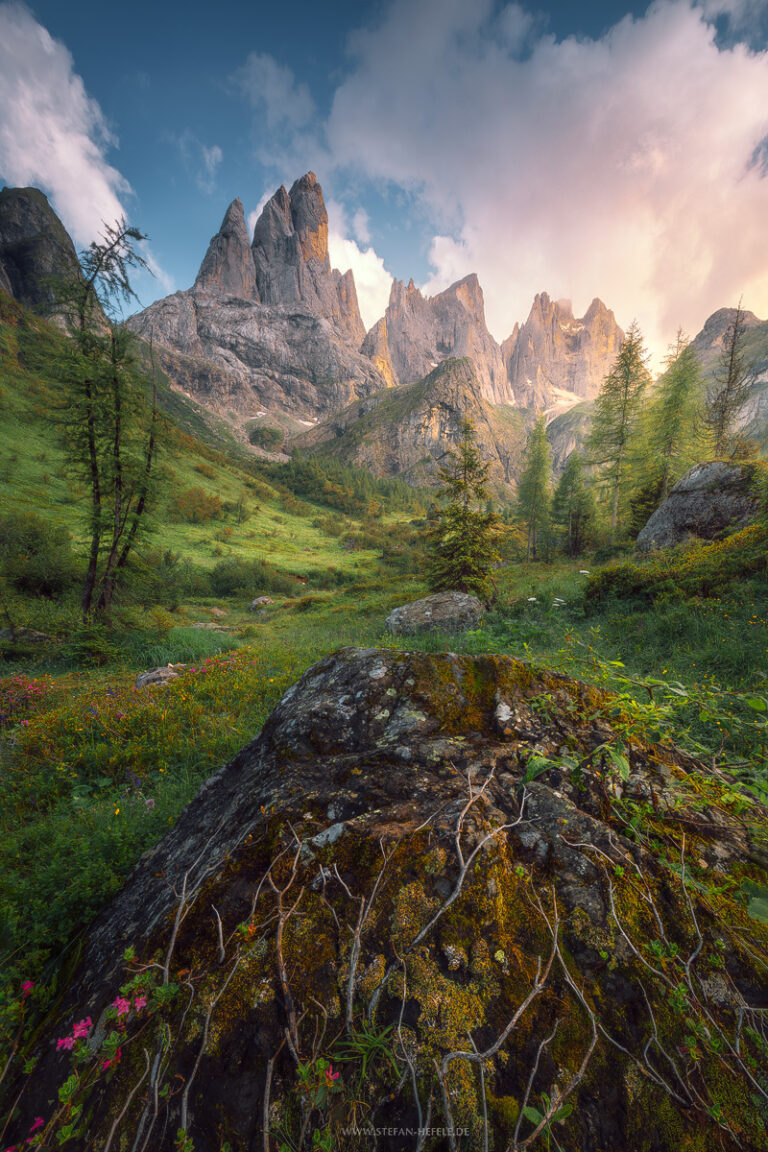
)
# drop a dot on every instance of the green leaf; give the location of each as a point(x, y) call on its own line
point(757, 703)
point(533, 1114)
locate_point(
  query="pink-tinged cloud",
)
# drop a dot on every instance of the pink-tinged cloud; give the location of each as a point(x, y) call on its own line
point(52, 133)
point(622, 167)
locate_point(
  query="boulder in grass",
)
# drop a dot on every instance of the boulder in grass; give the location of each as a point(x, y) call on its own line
point(155, 677)
point(710, 500)
point(260, 602)
point(443, 611)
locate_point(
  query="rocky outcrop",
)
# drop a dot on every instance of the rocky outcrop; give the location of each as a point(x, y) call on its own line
point(35, 250)
point(376, 348)
point(290, 253)
point(228, 266)
point(406, 431)
point(268, 325)
point(555, 360)
point(709, 501)
point(422, 331)
point(414, 898)
point(443, 612)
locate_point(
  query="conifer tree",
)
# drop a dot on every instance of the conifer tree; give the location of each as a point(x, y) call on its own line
point(110, 421)
point(733, 378)
point(534, 489)
point(573, 507)
point(461, 537)
point(613, 440)
point(675, 417)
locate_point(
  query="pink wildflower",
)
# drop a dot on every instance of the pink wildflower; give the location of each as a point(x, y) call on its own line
point(123, 1006)
point(82, 1028)
point(37, 1124)
point(26, 989)
point(139, 1003)
point(105, 1064)
point(65, 1042)
point(330, 1075)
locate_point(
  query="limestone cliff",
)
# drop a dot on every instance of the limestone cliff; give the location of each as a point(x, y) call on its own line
point(554, 360)
point(35, 249)
point(407, 430)
point(422, 331)
point(268, 324)
point(433, 894)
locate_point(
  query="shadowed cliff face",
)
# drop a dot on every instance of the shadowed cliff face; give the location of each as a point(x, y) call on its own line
point(35, 249)
point(440, 891)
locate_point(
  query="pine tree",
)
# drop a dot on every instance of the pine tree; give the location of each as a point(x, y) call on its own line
point(675, 417)
point(534, 489)
point(461, 536)
point(573, 507)
point(613, 440)
point(733, 378)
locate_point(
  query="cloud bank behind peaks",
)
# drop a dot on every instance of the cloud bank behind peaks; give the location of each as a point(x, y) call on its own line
point(618, 167)
point(52, 133)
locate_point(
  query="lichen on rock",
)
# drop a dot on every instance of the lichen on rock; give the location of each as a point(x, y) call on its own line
point(501, 925)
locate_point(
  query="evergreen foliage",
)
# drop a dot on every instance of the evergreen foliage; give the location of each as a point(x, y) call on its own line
point(573, 508)
point(613, 440)
point(462, 533)
point(109, 421)
point(733, 378)
point(534, 491)
point(676, 434)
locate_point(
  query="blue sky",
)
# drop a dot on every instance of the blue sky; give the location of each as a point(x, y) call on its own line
point(582, 150)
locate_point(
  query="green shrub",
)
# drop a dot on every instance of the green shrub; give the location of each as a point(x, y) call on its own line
point(239, 577)
point(195, 506)
point(36, 556)
point(267, 437)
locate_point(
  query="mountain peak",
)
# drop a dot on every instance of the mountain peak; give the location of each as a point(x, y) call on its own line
point(228, 264)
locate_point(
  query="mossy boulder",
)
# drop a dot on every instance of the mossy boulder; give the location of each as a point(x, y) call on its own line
point(437, 892)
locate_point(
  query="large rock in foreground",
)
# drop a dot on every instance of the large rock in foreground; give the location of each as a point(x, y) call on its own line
point(436, 891)
point(711, 499)
point(443, 611)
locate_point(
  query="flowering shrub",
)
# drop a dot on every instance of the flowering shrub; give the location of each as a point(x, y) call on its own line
point(21, 697)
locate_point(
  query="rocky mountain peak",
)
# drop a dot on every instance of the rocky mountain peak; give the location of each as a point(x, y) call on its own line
point(228, 264)
point(310, 218)
point(423, 331)
point(716, 326)
point(556, 359)
point(35, 248)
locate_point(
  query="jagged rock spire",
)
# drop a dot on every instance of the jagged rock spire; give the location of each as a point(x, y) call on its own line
point(228, 264)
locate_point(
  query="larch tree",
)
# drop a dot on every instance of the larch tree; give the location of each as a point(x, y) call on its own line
point(534, 489)
point(613, 440)
point(676, 432)
point(109, 409)
point(461, 539)
point(732, 380)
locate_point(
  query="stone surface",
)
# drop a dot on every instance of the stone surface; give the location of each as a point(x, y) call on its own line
point(157, 677)
point(422, 331)
point(260, 602)
point(34, 249)
point(381, 854)
point(269, 325)
point(554, 360)
point(228, 265)
point(442, 611)
point(406, 431)
point(710, 500)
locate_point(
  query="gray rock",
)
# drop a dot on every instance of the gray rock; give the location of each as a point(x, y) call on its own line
point(157, 677)
point(422, 331)
point(446, 611)
point(555, 356)
point(260, 602)
point(35, 249)
point(709, 500)
point(228, 264)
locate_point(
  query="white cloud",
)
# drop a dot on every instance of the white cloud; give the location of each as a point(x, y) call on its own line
point(372, 280)
point(272, 90)
point(200, 160)
point(52, 133)
point(617, 167)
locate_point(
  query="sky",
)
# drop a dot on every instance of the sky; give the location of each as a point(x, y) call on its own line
point(584, 150)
